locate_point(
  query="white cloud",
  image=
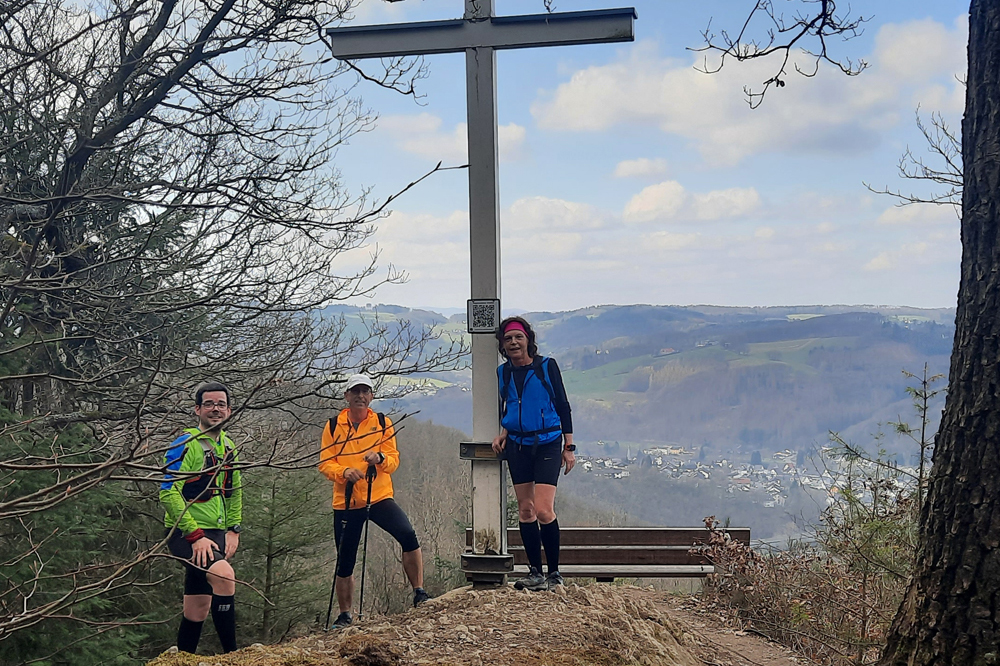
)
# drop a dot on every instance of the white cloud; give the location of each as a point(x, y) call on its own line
point(510, 138)
point(423, 135)
point(666, 241)
point(763, 233)
point(891, 259)
point(830, 248)
point(829, 113)
point(669, 200)
point(539, 213)
point(545, 246)
point(827, 209)
point(421, 244)
point(663, 200)
point(719, 204)
point(883, 261)
point(919, 215)
point(423, 228)
point(917, 50)
point(642, 167)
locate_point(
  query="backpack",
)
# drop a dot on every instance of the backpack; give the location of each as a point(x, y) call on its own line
point(541, 371)
point(536, 425)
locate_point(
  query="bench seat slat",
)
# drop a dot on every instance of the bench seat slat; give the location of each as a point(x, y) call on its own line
point(625, 571)
point(620, 556)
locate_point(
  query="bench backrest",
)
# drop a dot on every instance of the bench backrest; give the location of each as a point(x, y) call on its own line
point(685, 537)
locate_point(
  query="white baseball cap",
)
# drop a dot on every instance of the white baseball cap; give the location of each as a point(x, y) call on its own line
point(358, 380)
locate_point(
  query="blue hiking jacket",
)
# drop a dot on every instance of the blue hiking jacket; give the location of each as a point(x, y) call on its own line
point(529, 417)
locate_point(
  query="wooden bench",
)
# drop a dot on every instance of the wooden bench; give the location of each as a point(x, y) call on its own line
point(606, 553)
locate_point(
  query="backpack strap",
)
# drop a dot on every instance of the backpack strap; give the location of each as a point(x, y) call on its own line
point(542, 372)
point(332, 425)
point(505, 371)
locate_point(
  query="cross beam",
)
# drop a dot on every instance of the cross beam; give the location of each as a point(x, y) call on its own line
point(497, 32)
point(480, 34)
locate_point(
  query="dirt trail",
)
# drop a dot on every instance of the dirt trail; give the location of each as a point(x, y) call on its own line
point(591, 625)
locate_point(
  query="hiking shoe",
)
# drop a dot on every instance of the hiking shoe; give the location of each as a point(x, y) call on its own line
point(420, 596)
point(534, 581)
point(554, 578)
point(343, 620)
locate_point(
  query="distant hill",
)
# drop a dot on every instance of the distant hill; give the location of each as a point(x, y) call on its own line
point(729, 380)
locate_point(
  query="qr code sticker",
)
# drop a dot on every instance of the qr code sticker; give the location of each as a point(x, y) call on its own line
point(483, 316)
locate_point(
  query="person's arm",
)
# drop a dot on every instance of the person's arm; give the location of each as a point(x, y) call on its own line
point(234, 503)
point(329, 466)
point(176, 472)
point(500, 441)
point(561, 400)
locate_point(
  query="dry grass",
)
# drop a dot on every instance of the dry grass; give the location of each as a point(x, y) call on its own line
point(596, 625)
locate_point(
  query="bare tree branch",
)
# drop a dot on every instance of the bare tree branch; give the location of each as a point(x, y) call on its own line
point(808, 31)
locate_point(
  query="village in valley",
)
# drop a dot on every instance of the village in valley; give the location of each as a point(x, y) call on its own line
point(773, 477)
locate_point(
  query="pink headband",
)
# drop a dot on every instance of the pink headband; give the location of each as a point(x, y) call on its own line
point(515, 325)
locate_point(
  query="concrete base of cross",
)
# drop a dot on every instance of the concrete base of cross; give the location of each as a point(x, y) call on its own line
point(485, 571)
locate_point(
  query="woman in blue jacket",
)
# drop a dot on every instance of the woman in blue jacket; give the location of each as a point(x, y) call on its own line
point(536, 438)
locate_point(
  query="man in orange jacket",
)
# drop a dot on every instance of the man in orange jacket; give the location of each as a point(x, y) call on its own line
point(360, 438)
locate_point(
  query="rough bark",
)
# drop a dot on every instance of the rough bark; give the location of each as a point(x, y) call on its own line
point(951, 612)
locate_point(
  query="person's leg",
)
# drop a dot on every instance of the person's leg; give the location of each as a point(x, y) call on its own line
point(548, 527)
point(390, 517)
point(197, 597)
point(347, 532)
point(521, 463)
point(413, 567)
point(345, 593)
point(222, 578)
point(196, 607)
point(548, 464)
point(221, 582)
point(528, 523)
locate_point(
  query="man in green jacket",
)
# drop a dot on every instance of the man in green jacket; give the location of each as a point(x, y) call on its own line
point(203, 498)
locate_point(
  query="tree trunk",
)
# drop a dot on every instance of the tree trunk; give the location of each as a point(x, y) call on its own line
point(951, 611)
point(268, 619)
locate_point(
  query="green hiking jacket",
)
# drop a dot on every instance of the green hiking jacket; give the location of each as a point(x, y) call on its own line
point(212, 500)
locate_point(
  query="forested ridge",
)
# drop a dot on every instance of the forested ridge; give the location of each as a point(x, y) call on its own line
point(732, 380)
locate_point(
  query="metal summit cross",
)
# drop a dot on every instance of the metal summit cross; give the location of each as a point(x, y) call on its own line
point(480, 33)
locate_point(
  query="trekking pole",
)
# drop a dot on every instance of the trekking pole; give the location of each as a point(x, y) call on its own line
point(370, 478)
point(348, 491)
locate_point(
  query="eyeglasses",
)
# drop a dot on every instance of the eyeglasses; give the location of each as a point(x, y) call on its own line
point(211, 404)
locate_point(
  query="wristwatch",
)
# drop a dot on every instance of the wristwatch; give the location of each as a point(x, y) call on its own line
point(236, 529)
point(569, 447)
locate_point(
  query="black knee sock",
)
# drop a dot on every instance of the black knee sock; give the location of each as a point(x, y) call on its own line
point(549, 533)
point(224, 618)
point(188, 635)
point(532, 543)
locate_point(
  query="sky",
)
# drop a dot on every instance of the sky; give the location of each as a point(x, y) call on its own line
point(628, 176)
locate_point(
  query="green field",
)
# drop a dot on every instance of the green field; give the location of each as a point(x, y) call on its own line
point(606, 380)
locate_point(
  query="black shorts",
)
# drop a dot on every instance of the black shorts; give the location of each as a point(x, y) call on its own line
point(195, 580)
point(539, 463)
point(386, 514)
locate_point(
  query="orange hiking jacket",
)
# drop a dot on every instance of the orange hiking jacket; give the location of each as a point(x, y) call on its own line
point(346, 447)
